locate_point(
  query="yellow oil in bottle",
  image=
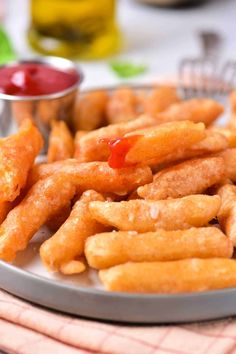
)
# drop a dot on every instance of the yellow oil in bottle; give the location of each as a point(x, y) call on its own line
point(74, 28)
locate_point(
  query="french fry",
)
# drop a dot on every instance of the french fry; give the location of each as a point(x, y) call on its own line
point(108, 249)
point(73, 267)
point(61, 143)
point(171, 277)
point(68, 242)
point(93, 146)
point(196, 110)
point(42, 201)
point(160, 99)
point(230, 135)
point(227, 212)
point(229, 157)
point(121, 107)
point(17, 154)
point(145, 215)
point(90, 110)
point(189, 177)
point(157, 143)
point(95, 175)
point(5, 207)
point(78, 136)
point(56, 220)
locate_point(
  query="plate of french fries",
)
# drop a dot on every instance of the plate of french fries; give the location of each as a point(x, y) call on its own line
point(131, 216)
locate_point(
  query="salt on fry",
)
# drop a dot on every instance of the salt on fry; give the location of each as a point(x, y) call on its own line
point(196, 110)
point(181, 276)
point(189, 177)
point(145, 215)
point(93, 146)
point(61, 142)
point(42, 201)
point(108, 249)
point(227, 212)
point(17, 154)
point(68, 242)
point(90, 110)
point(160, 99)
point(121, 107)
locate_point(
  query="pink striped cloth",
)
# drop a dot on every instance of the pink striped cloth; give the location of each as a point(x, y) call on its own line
point(27, 329)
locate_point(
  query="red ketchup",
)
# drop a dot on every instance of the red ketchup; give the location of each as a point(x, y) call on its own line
point(34, 79)
point(119, 148)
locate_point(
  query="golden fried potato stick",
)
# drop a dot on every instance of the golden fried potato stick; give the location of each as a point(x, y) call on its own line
point(73, 267)
point(56, 220)
point(68, 242)
point(146, 215)
point(17, 154)
point(43, 200)
point(230, 135)
point(90, 110)
point(5, 207)
point(108, 249)
point(95, 175)
point(196, 110)
point(160, 99)
point(227, 212)
point(158, 142)
point(121, 107)
point(189, 177)
point(229, 157)
point(93, 146)
point(61, 142)
point(182, 276)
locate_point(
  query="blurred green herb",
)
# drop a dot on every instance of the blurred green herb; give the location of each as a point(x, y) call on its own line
point(6, 51)
point(126, 69)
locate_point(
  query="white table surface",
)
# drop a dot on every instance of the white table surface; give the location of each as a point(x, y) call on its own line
point(157, 37)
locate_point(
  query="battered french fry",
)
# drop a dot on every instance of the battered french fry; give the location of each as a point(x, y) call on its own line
point(171, 277)
point(157, 143)
point(56, 220)
point(90, 111)
point(73, 267)
point(227, 212)
point(68, 242)
point(189, 177)
point(17, 154)
point(145, 215)
point(93, 146)
point(108, 249)
point(61, 143)
point(121, 107)
point(43, 200)
point(5, 207)
point(95, 175)
point(160, 99)
point(230, 135)
point(229, 157)
point(196, 110)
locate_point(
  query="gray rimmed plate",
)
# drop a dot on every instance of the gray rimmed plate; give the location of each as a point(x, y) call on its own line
point(83, 294)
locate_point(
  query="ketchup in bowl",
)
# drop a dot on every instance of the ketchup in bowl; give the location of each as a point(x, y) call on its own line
point(35, 79)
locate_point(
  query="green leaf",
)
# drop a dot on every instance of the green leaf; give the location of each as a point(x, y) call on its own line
point(127, 69)
point(6, 51)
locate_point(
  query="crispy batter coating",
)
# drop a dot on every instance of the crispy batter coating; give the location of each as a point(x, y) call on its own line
point(158, 142)
point(160, 99)
point(189, 177)
point(108, 249)
point(146, 215)
point(43, 200)
point(17, 154)
point(61, 142)
point(92, 147)
point(171, 277)
point(227, 212)
point(68, 242)
point(57, 219)
point(196, 110)
point(95, 175)
point(230, 135)
point(90, 110)
point(229, 157)
point(121, 107)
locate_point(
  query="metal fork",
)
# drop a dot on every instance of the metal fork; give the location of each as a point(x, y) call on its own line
point(198, 77)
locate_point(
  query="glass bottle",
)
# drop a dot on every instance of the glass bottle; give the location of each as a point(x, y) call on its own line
point(74, 28)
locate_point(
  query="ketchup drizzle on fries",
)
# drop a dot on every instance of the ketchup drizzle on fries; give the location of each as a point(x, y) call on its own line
point(119, 148)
